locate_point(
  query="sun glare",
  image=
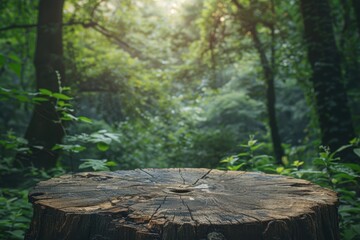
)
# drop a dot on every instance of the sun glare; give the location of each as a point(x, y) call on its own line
point(170, 7)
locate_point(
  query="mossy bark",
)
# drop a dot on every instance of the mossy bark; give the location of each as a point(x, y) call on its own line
point(334, 115)
point(45, 129)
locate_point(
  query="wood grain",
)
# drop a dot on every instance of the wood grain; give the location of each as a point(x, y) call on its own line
point(182, 204)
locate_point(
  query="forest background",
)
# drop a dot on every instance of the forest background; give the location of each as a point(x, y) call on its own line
point(257, 85)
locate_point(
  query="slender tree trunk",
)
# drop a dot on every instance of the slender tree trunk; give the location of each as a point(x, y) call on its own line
point(269, 75)
point(349, 55)
point(331, 99)
point(44, 128)
point(270, 95)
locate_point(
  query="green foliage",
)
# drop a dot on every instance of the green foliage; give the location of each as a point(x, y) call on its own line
point(9, 146)
point(15, 213)
point(247, 160)
point(174, 84)
point(97, 165)
point(326, 170)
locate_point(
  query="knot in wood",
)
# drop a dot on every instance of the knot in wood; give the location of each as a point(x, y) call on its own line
point(180, 190)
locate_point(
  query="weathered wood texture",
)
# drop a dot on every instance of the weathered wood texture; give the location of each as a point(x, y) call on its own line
point(186, 204)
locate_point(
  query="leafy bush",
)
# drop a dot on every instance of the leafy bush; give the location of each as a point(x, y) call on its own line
point(15, 213)
point(325, 170)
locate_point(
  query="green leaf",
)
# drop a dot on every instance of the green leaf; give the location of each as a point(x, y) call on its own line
point(22, 98)
point(319, 162)
point(4, 90)
point(112, 136)
point(344, 169)
point(262, 157)
point(61, 96)
point(357, 151)
point(66, 88)
point(285, 160)
point(68, 117)
point(17, 234)
point(280, 169)
point(102, 146)
point(24, 149)
point(14, 58)
point(236, 167)
point(63, 104)
point(85, 119)
point(111, 164)
point(342, 148)
point(46, 92)
point(313, 172)
point(227, 160)
point(256, 147)
point(40, 99)
point(16, 68)
point(297, 163)
point(38, 147)
point(69, 148)
point(355, 167)
point(251, 142)
point(100, 136)
point(95, 164)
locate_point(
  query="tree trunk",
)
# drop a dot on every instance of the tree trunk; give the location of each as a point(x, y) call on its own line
point(331, 99)
point(182, 204)
point(348, 46)
point(268, 71)
point(44, 128)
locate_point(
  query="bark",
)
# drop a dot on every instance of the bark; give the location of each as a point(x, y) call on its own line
point(269, 75)
point(44, 128)
point(331, 99)
point(182, 204)
point(347, 46)
point(268, 71)
point(349, 54)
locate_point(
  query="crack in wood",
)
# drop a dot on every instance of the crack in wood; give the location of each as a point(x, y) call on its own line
point(206, 217)
point(182, 177)
point(202, 177)
point(191, 216)
point(227, 210)
point(270, 223)
point(147, 173)
point(190, 213)
point(157, 209)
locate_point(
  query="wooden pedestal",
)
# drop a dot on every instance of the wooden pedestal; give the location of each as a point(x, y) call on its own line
point(181, 204)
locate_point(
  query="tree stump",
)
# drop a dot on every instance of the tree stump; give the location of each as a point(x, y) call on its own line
point(182, 204)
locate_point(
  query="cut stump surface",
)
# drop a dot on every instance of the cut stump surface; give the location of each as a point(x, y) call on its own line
point(181, 204)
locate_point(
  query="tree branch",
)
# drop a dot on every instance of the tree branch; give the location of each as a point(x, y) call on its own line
point(20, 26)
point(97, 27)
point(85, 24)
point(110, 35)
